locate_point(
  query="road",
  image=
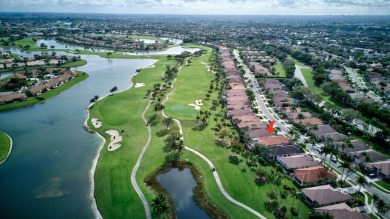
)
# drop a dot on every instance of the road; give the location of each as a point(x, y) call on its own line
point(353, 177)
point(260, 98)
point(360, 83)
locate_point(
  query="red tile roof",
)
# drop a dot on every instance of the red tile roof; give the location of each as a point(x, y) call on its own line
point(313, 174)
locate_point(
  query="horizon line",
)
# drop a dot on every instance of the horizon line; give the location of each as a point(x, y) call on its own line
point(113, 13)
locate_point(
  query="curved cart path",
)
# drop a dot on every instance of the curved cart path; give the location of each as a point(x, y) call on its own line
point(215, 173)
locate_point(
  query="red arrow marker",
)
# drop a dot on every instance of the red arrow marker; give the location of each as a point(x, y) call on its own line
point(271, 128)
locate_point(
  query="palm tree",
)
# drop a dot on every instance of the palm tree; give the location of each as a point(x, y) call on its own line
point(326, 150)
point(375, 198)
point(381, 206)
point(160, 205)
point(361, 181)
point(345, 165)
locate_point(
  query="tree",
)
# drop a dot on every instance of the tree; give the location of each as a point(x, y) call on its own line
point(168, 122)
point(345, 165)
point(375, 198)
point(158, 107)
point(160, 204)
point(114, 89)
point(381, 206)
point(94, 99)
point(361, 181)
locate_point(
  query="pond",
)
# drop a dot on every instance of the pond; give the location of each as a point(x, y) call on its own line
point(180, 185)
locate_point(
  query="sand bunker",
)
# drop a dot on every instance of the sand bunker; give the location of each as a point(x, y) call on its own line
point(194, 105)
point(97, 123)
point(139, 85)
point(199, 102)
point(116, 138)
point(152, 66)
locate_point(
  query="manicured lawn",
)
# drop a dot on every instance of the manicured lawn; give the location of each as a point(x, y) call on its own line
point(47, 95)
point(26, 42)
point(5, 146)
point(74, 64)
point(192, 83)
point(385, 183)
point(307, 73)
point(114, 193)
point(116, 197)
point(279, 69)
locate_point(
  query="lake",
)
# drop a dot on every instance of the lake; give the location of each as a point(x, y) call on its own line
point(180, 185)
point(47, 173)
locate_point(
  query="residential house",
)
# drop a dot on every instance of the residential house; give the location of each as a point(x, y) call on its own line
point(297, 162)
point(324, 195)
point(283, 150)
point(381, 168)
point(274, 140)
point(342, 211)
point(313, 175)
point(368, 156)
point(9, 98)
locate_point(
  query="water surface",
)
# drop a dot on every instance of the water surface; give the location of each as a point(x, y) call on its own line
point(180, 185)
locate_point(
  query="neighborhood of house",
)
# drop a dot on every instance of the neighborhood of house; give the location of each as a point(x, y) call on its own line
point(301, 166)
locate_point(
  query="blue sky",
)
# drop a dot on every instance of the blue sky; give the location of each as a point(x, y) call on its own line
point(237, 7)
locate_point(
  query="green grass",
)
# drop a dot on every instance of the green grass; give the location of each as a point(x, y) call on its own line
point(114, 193)
point(5, 146)
point(279, 69)
point(385, 183)
point(75, 64)
point(369, 197)
point(26, 42)
point(238, 180)
point(296, 61)
point(116, 197)
point(307, 74)
point(47, 95)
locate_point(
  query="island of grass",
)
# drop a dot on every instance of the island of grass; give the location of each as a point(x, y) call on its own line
point(5, 146)
point(115, 196)
point(31, 100)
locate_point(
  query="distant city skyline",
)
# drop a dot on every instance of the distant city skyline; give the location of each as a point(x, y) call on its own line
point(217, 7)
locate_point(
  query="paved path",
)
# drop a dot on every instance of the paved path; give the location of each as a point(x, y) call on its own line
point(135, 169)
point(215, 174)
point(298, 74)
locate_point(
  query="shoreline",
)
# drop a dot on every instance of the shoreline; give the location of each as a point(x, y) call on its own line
point(92, 171)
point(10, 148)
point(94, 207)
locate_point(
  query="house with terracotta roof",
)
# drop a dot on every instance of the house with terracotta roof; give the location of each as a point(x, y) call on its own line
point(274, 140)
point(313, 175)
point(36, 90)
point(309, 121)
point(342, 211)
point(381, 168)
point(324, 195)
point(297, 162)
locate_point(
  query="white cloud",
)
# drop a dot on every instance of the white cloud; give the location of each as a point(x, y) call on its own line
point(203, 6)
